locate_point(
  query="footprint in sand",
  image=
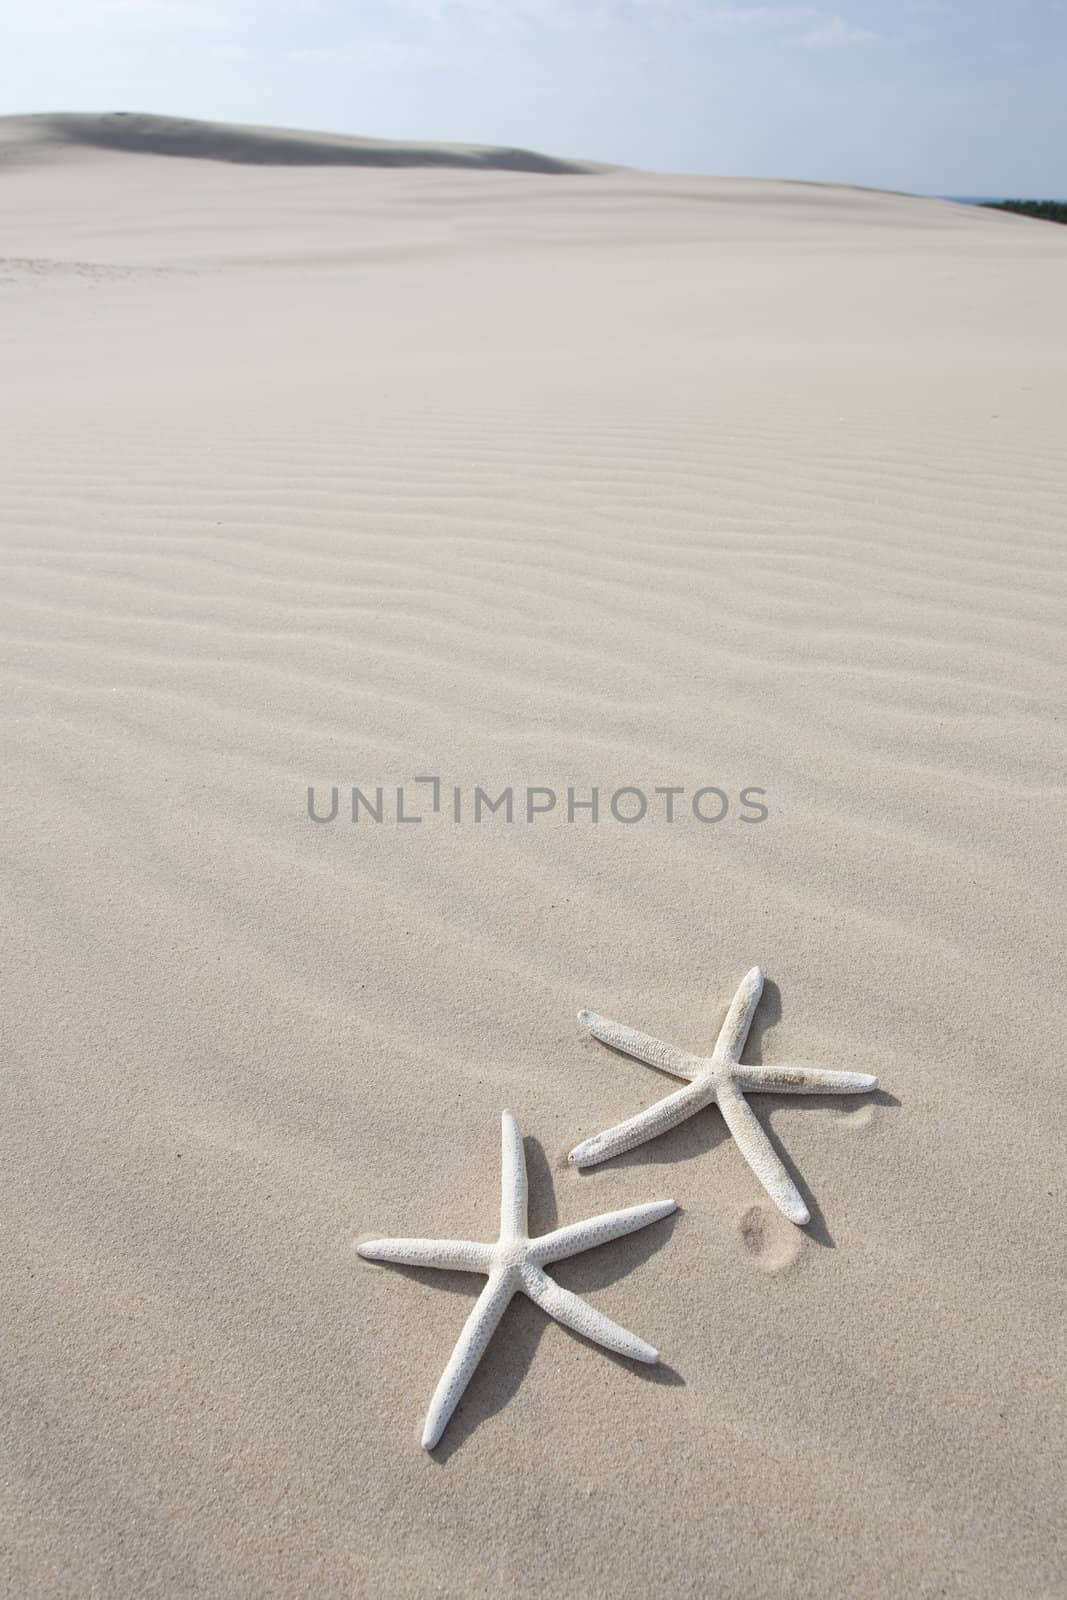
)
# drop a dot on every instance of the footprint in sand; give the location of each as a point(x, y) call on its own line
point(770, 1241)
point(854, 1117)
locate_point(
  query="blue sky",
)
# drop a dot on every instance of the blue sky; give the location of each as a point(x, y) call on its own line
point(939, 96)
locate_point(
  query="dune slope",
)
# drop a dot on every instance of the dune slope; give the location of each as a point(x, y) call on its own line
point(341, 476)
point(189, 138)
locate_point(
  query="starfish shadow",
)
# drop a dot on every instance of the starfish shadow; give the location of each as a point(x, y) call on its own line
point(459, 1283)
point(815, 1228)
point(705, 1132)
point(507, 1361)
point(766, 1107)
point(697, 1136)
point(499, 1376)
point(599, 1268)
point(768, 1014)
point(542, 1208)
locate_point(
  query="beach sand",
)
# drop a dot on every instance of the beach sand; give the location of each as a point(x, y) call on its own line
point(344, 475)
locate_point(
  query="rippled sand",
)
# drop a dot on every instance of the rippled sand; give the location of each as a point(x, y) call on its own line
point(338, 476)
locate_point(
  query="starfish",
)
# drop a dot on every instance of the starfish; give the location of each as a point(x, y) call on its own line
point(720, 1077)
point(515, 1264)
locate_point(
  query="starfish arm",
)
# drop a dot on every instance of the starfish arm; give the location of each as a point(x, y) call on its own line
point(803, 1080)
point(470, 1347)
point(571, 1241)
point(513, 1183)
point(648, 1124)
point(642, 1046)
point(454, 1255)
point(734, 1031)
point(584, 1319)
point(758, 1151)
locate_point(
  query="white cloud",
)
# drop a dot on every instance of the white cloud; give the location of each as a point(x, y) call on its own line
point(836, 31)
point(758, 18)
point(269, 25)
point(328, 55)
point(804, 25)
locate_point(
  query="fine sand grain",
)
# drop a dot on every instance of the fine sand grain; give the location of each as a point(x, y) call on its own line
point(346, 474)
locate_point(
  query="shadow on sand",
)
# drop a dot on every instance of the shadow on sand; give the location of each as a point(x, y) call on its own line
point(513, 1347)
point(703, 1132)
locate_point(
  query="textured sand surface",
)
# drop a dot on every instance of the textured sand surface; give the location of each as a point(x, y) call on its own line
point(342, 475)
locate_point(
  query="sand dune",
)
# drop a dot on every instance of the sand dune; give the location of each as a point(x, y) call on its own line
point(341, 476)
point(138, 133)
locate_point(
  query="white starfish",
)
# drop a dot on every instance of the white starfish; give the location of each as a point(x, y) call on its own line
point(515, 1264)
point(720, 1077)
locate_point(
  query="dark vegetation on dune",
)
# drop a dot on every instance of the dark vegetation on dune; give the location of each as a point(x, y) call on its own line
point(1044, 210)
point(143, 134)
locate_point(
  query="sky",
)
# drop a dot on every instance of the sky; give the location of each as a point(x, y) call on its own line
point(934, 96)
